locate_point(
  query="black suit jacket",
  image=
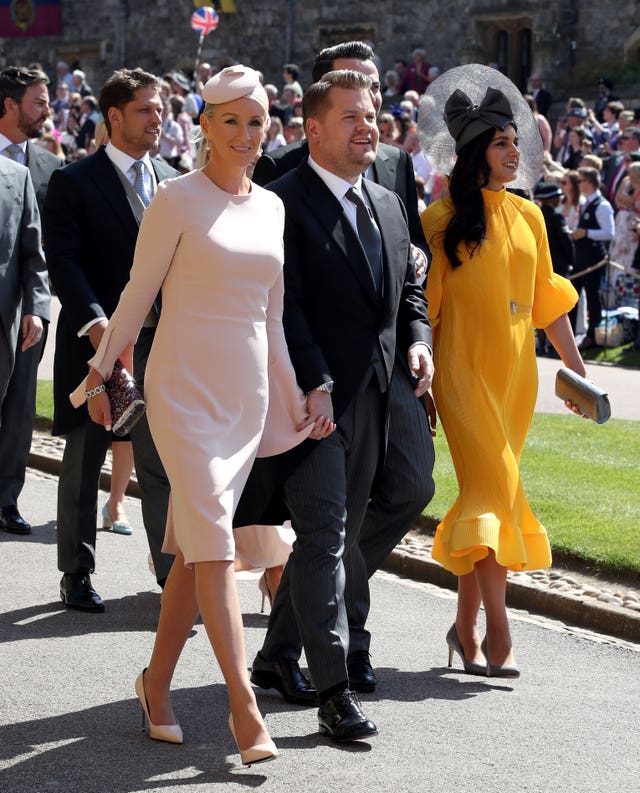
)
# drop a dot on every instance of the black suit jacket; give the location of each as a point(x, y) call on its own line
point(91, 235)
point(332, 316)
point(609, 171)
point(543, 101)
point(560, 241)
point(392, 169)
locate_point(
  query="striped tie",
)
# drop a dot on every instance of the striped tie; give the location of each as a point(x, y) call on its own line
point(369, 237)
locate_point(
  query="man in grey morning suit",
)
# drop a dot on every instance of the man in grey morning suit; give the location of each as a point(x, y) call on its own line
point(24, 108)
point(350, 296)
point(405, 485)
point(92, 213)
point(24, 285)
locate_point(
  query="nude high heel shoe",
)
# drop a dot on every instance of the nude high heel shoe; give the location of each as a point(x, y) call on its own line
point(470, 667)
point(171, 733)
point(498, 671)
point(264, 591)
point(254, 754)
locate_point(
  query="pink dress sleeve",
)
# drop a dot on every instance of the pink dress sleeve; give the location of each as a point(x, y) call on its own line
point(158, 238)
point(287, 403)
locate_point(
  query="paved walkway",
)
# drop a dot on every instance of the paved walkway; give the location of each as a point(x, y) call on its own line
point(70, 721)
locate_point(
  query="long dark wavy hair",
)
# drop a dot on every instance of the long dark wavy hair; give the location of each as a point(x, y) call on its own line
point(468, 224)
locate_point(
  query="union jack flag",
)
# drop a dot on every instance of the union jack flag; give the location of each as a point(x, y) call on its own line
point(204, 20)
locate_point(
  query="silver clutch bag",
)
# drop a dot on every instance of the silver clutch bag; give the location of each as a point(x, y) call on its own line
point(588, 398)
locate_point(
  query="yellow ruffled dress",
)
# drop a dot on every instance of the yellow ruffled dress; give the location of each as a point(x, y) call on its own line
point(483, 315)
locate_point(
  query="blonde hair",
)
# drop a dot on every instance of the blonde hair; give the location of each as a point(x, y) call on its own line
point(634, 174)
point(100, 135)
point(202, 144)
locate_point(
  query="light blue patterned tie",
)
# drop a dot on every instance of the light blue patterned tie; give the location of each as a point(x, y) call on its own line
point(138, 184)
point(14, 152)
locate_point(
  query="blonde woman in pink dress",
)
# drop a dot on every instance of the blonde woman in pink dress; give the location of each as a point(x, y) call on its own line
point(220, 387)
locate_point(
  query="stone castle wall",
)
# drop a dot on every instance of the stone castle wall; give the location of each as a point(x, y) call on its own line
point(157, 36)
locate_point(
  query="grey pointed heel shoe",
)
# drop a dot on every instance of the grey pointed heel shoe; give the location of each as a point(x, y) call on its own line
point(498, 671)
point(470, 667)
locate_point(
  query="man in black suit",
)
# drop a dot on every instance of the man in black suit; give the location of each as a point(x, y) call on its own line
point(540, 94)
point(351, 295)
point(92, 213)
point(24, 107)
point(405, 485)
point(547, 195)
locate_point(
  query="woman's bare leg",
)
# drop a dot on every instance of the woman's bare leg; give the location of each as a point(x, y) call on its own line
point(217, 598)
point(467, 617)
point(178, 612)
point(121, 469)
point(492, 582)
point(273, 576)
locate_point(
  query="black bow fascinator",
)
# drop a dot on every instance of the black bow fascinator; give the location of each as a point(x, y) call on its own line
point(463, 102)
point(465, 121)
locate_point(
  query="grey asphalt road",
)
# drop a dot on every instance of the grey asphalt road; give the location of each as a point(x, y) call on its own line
point(69, 720)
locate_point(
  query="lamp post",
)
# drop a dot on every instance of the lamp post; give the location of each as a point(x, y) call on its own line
point(288, 36)
point(123, 17)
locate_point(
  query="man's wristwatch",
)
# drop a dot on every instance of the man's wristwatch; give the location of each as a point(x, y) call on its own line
point(327, 387)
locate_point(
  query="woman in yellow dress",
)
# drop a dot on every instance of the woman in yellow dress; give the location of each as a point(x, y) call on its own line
point(491, 281)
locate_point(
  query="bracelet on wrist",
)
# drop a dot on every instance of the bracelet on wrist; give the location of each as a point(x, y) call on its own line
point(95, 391)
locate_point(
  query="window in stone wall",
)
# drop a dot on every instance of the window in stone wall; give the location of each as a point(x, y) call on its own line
point(507, 42)
point(524, 46)
point(502, 51)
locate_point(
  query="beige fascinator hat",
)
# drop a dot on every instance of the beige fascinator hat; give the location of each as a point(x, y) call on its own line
point(234, 82)
point(464, 102)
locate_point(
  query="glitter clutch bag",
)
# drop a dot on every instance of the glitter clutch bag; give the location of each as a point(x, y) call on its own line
point(592, 401)
point(127, 404)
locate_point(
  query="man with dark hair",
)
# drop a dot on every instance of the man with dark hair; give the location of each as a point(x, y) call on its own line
point(24, 107)
point(91, 219)
point(90, 118)
point(561, 246)
point(290, 77)
point(405, 485)
point(596, 227)
point(350, 296)
point(25, 284)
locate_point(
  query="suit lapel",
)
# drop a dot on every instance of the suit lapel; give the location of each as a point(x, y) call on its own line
point(382, 202)
point(383, 170)
point(329, 213)
point(107, 182)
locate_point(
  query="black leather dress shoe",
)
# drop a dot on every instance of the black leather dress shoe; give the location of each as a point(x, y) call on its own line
point(76, 592)
point(286, 677)
point(12, 521)
point(361, 676)
point(341, 718)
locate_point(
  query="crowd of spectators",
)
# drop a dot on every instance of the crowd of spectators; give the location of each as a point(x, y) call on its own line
point(601, 132)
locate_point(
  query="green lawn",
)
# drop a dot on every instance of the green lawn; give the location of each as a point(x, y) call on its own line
point(44, 400)
point(620, 356)
point(581, 480)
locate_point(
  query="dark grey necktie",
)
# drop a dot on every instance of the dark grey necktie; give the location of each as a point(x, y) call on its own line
point(369, 237)
point(138, 184)
point(14, 152)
